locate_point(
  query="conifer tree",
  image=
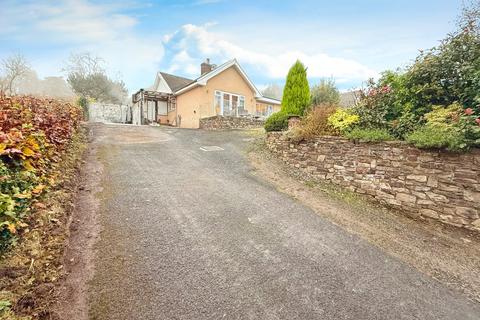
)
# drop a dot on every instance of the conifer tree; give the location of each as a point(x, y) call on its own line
point(296, 95)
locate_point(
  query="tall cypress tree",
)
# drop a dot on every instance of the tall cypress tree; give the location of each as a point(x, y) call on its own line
point(296, 95)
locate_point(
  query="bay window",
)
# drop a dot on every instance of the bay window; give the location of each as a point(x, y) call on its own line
point(229, 104)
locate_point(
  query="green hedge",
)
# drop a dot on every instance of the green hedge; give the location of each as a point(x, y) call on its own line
point(277, 122)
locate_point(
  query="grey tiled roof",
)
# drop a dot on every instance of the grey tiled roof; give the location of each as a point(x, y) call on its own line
point(175, 82)
point(349, 99)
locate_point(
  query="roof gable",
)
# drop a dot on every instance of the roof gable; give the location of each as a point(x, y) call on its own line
point(202, 80)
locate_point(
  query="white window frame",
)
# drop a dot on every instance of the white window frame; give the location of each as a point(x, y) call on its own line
point(219, 93)
point(269, 110)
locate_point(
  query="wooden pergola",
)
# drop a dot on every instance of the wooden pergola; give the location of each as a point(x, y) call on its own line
point(141, 97)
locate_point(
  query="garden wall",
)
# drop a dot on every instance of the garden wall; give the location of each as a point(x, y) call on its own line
point(109, 113)
point(433, 184)
point(220, 122)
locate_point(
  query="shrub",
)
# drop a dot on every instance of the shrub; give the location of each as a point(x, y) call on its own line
point(315, 123)
point(369, 135)
point(439, 137)
point(469, 126)
point(325, 93)
point(296, 94)
point(342, 120)
point(378, 103)
point(440, 115)
point(439, 77)
point(449, 128)
point(404, 125)
point(276, 122)
point(83, 103)
point(33, 136)
point(370, 117)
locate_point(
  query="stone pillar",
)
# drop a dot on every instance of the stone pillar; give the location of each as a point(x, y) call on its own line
point(293, 121)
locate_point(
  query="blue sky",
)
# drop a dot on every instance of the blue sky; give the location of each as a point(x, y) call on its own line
point(347, 40)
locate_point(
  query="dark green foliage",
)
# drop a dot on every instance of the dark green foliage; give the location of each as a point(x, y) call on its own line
point(436, 137)
point(296, 94)
point(446, 74)
point(325, 93)
point(277, 122)
point(369, 135)
point(405, 124)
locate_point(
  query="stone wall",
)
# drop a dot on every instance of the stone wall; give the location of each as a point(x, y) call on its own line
point(433, 184)
point(109, 113)
point(220, 122)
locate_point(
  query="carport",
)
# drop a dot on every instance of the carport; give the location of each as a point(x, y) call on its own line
point(152, 107)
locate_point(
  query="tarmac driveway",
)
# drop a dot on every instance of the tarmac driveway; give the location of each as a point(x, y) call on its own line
point(189, 232)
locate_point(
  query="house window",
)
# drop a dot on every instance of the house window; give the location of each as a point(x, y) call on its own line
point(217, 104)
point(171, 104)
point(241, 106)
point(229, 104)
point(264, 110)
point(269, 110)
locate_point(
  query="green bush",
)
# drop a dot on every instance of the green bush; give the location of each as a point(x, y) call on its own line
point(444, 79)
point(405, 124)
point(438, 137)
point(369, 135)
point(277, 122)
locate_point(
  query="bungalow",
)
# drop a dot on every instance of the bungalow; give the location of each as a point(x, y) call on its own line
point(223, 90)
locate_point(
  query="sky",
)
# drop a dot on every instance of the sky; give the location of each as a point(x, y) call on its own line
point(349, 41)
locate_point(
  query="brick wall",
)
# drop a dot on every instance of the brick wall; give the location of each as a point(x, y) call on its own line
point(432, 184)
point(220, 122)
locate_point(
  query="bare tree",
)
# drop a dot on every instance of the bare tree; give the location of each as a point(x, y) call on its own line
point(84, 64)
point(13, 68)
point(469, 19)
point(87, 77)
point(273, 91)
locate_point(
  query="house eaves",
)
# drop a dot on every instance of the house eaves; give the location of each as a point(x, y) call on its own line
point(268, 100)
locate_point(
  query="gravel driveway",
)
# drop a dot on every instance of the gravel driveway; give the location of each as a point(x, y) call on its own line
point(193, 234)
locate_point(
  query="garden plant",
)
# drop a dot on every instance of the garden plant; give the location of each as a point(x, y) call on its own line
point(34, 134)
point(433, 103)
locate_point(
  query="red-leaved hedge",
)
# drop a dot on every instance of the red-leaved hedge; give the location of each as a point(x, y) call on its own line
point(34, 134)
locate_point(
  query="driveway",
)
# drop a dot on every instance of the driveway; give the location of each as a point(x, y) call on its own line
point(194, 234)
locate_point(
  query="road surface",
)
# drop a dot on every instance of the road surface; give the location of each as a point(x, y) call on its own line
point(189, 232)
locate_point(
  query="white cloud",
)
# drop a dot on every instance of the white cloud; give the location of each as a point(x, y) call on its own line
point(182, 61)
point(195, 41)
point(81, 25)
point(106, 30)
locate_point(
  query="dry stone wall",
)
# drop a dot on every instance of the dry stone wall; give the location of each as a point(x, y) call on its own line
point(220, 122)
point(433, 184)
